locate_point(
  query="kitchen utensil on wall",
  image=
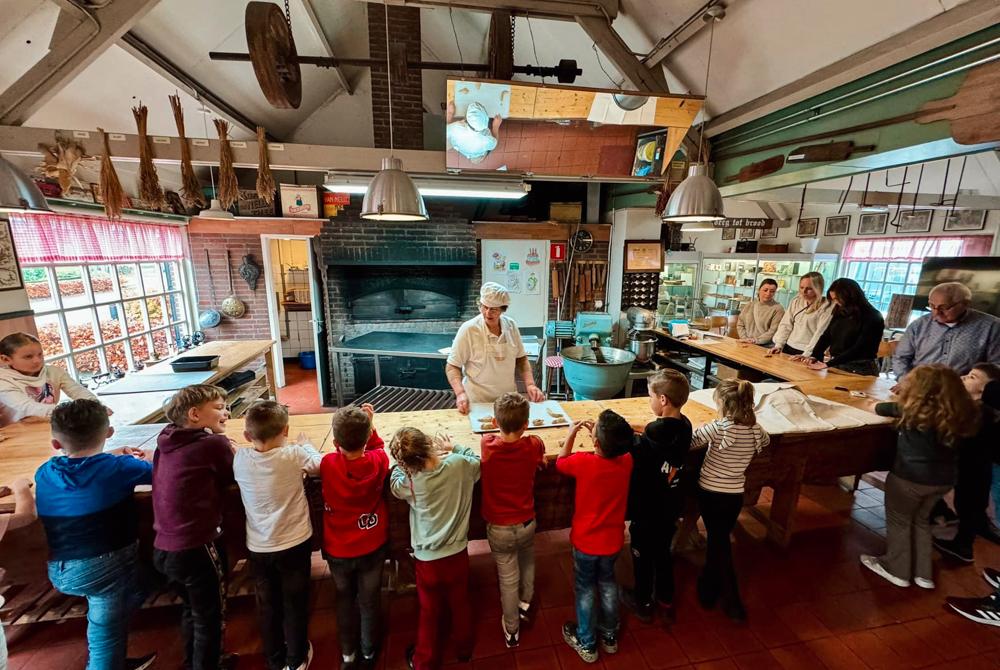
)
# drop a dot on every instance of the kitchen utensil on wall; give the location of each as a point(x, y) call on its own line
point(232, 306)
point(758, 169)
point(821, 153)
point(210, 318)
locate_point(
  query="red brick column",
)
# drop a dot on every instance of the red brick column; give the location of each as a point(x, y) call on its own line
point(407, 94)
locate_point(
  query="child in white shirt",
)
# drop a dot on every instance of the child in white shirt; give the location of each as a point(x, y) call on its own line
point(279, 533)
point(28, 387)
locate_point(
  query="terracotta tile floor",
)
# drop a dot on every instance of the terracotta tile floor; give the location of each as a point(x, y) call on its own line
point(301, 393)
point(812, 606)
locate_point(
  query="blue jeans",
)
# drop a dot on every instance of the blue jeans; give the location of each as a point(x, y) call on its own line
point(995, 492)
point(592, 572)
point(111, 585)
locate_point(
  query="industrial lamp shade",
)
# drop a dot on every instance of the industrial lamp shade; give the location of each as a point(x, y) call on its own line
point(696, 199)
point(392, 195)
point(18, 192)
point(215, 211)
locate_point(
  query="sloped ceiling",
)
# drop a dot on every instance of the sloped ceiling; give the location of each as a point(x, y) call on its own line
point(760, 46)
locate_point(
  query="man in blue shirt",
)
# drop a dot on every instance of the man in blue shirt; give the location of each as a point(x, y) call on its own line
point(952, 334)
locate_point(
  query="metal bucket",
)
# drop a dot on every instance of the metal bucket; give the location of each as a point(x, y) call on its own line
point(592, 379)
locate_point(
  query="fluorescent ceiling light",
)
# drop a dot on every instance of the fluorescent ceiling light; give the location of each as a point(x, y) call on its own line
point(441, 187)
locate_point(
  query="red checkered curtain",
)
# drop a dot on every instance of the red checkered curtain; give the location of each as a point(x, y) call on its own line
point(916, 249)
point(69, 238)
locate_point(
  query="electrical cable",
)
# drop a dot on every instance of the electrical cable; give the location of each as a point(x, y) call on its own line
point(388, 67)
point(458, 46)
point(708, 70)
point(533, 49)
point(593, 45)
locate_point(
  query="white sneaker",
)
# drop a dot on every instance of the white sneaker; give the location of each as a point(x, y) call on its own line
point(873, 564)
point(923, 583)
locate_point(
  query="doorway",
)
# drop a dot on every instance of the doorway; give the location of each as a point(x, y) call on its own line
point(295, 309)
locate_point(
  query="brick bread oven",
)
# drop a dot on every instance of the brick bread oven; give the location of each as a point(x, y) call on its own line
point(409, 277)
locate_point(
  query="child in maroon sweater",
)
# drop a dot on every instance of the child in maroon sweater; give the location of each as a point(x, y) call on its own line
point(509, 463)
point(355, 529)
point(192, 469)
point(598, 530)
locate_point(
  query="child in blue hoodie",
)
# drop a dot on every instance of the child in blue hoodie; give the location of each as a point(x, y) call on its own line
point(86, 504)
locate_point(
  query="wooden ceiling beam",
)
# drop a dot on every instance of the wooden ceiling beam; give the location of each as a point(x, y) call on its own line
point(960, 21)
point(83, 35)
point(317, 28)
point(564, 10)
point(637, 75)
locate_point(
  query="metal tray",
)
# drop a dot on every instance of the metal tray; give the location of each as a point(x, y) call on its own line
point(194, 363)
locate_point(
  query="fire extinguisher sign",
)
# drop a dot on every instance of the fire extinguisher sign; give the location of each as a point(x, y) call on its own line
point(557, 251)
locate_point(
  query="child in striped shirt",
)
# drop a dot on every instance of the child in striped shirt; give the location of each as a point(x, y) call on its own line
point(732, 441)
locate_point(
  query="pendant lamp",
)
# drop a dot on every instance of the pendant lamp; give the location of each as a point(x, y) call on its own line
point(392, 195)
point(697, 199)
point(215, 209)
point(18, 193)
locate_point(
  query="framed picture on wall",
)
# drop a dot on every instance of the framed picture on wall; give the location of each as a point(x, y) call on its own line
point(729, 233)
point(873, 224)
point(807, 228)
point(10, 269)
point(748, 233)
point(915, 221)
point(966, 219)
point(837, 225)
point(643, 255)
point(769, 233)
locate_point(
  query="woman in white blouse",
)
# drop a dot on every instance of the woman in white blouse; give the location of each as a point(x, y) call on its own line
point(805, 320)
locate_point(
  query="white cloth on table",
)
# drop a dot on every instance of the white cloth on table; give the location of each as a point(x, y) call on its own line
point(782, 408)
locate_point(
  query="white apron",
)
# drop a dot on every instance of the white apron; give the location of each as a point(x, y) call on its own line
point(488, 361)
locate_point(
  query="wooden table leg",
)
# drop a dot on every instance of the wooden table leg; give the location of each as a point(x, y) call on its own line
point(272, 391)
point(783, 504)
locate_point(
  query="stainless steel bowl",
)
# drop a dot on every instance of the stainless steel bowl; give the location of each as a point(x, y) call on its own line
point(643, 347)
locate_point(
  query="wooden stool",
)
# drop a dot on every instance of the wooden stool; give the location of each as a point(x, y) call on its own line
point(553, 363)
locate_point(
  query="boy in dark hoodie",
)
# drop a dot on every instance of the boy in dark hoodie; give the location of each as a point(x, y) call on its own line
point(655, 498)
point(86, 503)
point(192, 469)
point(355, 530)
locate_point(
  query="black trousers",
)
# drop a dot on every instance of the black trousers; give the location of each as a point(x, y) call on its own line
point(652, 560)
point(972, 493)
point(720, 512)
point(198, 576)
point(281, 581)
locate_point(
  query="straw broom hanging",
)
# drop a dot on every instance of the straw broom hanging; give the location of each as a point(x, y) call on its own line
point(265, 180)
point(111, 187)
point(229, 188)
point(149, 182)
point(190, 186)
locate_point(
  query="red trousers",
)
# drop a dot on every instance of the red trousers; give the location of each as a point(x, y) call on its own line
point(442, 585)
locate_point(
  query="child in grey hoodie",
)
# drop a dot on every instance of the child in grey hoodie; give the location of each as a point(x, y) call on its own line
point(437, 479)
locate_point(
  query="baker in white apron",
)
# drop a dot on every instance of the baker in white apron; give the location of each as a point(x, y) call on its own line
point(488, 354)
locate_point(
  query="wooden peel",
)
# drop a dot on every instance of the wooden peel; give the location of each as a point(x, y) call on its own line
point(758, 169)
point(831, 151)
point(972, 111)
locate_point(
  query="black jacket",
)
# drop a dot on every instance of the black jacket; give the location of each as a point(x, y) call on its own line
point(662, 446)
point(921, 458)
point(851, 338)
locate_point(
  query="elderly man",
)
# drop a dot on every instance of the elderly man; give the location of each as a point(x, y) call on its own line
point(952, 334)
point(487, 353)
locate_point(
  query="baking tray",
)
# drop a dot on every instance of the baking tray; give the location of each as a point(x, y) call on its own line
point(539, 411)
point(194, 363)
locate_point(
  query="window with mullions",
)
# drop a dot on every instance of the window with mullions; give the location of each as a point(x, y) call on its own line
point(888, 266)
point(93, 318)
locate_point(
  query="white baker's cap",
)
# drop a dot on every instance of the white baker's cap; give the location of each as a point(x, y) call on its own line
point(477, 117)
point(493, 294)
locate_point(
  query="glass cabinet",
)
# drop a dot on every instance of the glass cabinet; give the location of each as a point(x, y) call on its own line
point(729, 282)
point(678, 284)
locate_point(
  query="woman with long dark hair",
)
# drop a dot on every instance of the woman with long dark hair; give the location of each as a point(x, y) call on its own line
point(854, 333)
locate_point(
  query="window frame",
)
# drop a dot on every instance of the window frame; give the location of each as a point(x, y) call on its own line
point(174, 329)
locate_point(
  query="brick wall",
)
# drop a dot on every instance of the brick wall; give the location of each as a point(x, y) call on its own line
point(407, 93)
point(254, 324)
point(446, 236)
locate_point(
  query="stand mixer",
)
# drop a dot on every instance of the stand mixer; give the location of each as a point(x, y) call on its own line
point(641, 341)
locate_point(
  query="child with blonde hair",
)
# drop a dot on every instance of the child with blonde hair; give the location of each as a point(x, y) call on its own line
point(510, 461)
point(437, 479)
point(933, 413)
point(30, 389)
point(731, 441)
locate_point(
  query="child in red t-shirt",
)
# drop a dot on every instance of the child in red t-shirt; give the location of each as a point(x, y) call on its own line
point(598, 530)
point(509, 463)
point(355, 528)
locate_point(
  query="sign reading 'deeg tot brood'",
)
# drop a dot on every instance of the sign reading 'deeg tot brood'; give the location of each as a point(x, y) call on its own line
point(300, 202)
point(745, 223)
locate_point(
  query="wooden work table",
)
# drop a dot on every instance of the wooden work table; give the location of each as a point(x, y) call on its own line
point(742, 355)
point(791, 460)
point(136, 408)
